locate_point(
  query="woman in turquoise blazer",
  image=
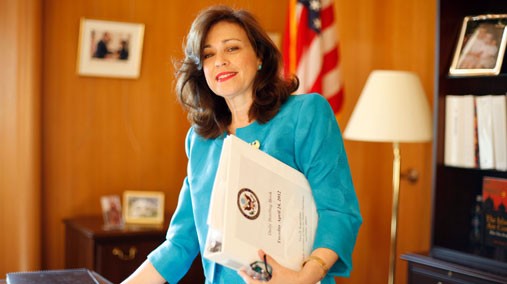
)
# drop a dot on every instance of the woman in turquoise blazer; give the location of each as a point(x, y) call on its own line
point(230, 83)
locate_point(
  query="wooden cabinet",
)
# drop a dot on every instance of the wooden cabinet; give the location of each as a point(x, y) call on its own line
point(115, 253)
point(424, 269)
point(455, 189)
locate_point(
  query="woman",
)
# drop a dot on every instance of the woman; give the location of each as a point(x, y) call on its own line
point(230, 83)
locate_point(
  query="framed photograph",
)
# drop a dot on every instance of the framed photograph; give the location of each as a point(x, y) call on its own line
point(143, 207)
point(481, 46)
point(110, 49)
point(111, 211)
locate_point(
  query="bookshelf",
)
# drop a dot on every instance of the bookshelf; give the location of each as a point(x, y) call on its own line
point(454, 188)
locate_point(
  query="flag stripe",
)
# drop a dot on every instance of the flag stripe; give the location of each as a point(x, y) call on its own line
point(328, 39)
point(327, 16)
point(329, 84)
point(336, 100)
point(309, 69)
point(330, 61)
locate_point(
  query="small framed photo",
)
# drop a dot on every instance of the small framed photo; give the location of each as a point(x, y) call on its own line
point(111, 211)
point(110, 49)
point(143, 207)
point(481, 46)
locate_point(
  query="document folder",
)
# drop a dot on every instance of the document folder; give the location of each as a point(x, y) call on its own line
point(258, 202)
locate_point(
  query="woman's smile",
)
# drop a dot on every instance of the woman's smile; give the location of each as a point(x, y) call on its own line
point(224, 76)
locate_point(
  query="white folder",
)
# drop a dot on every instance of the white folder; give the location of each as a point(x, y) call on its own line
point(257, 203)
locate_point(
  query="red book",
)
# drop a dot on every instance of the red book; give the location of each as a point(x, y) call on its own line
point(494, 194)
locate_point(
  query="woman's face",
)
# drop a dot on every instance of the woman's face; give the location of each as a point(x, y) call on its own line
point(229, 61)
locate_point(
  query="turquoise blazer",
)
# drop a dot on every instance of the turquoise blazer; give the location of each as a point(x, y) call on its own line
point(304, 135)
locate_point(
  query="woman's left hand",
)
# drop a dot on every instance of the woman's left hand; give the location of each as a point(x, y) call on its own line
point(280, 274)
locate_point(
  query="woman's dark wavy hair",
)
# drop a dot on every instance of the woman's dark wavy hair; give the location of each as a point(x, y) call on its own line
point(208, 112)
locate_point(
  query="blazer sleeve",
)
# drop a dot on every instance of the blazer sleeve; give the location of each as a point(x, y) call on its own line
point(320, 154)
point(173, 258)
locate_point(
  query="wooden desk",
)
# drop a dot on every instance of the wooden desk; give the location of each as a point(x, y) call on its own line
point(115, 254)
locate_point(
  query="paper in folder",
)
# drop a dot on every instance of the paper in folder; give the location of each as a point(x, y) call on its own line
point(258, 202)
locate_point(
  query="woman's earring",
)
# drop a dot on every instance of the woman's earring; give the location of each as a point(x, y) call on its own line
point(259, 67)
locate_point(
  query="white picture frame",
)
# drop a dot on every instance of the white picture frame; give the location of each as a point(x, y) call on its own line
point(481, 46)
point(110, 49)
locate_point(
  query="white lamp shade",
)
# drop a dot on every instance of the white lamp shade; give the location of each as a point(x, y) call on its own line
point(392, 108)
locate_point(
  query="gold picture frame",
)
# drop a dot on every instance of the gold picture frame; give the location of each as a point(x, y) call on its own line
point(143, 207)
point(109, 49)
point(481, 46)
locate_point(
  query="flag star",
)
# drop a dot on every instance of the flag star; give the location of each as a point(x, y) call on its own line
point(317, 23)
point(315, 5)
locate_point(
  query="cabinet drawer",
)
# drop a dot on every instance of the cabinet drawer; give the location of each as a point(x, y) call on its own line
point(423, 275)
point(416, 278)
point(425, 269)
point(116, 261)
point(115, 254)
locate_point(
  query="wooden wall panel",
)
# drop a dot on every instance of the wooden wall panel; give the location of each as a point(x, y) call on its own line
point(106, 135)
point(397, 35)
point(20, 135)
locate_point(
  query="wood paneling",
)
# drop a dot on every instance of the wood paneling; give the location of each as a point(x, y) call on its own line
point(19, 135)
point(397, 35)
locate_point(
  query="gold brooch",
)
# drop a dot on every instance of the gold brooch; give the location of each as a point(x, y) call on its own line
point(256, 144)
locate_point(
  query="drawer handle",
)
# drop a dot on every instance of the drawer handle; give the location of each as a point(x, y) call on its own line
point(119, 253)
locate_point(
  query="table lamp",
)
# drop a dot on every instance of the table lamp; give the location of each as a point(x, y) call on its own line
point(392, 108)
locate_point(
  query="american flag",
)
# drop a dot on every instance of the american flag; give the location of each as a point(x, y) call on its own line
point(310, 49)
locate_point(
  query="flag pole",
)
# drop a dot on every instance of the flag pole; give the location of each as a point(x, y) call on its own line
point(292, 36)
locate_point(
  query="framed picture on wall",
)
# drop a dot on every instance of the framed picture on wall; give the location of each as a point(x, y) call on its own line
point(143, 207)
point(481, 46)
point(110, 49)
